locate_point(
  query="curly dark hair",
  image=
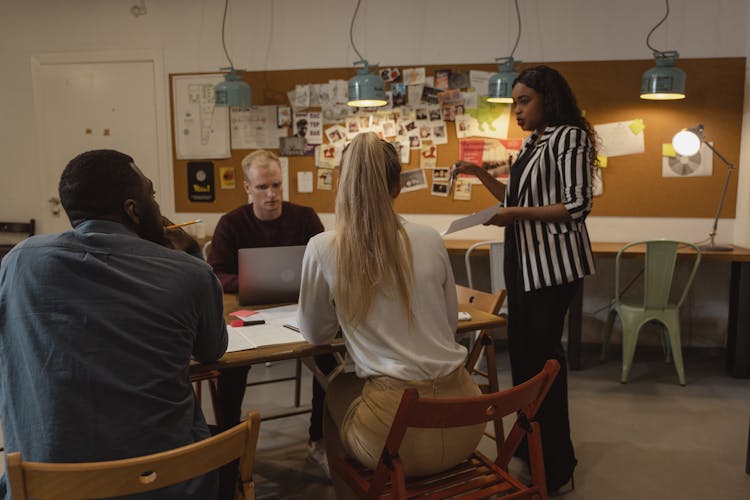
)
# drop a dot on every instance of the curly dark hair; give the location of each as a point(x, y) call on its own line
point(560, 104)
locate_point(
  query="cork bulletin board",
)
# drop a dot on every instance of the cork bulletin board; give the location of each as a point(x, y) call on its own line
point(606, 90)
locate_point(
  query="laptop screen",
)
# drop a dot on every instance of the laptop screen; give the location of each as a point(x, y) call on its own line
point(269, 275)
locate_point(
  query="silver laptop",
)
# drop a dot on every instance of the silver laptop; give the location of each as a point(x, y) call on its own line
point(269, 275)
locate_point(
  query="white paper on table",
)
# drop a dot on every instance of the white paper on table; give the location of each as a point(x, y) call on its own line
point(472, 220)
point(278, 315)
point(251, 337)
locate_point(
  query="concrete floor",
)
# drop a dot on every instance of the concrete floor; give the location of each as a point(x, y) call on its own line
point(647, 439)
point(644, 440)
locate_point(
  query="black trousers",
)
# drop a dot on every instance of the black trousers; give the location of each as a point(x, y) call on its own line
point(535, 326)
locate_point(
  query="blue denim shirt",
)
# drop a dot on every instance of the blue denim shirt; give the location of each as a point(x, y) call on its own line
point(97, 328)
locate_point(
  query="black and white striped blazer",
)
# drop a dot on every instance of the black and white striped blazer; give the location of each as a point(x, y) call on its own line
point(558, 171)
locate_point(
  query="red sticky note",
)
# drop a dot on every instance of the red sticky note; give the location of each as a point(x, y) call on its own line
point(243, 313)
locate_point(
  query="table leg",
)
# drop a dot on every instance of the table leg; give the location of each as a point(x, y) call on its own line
point(575, 322)
point(738, 335)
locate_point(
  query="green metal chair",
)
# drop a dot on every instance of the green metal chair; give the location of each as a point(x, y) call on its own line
point(658, 277)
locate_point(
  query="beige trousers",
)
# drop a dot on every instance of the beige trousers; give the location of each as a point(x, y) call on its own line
point(363, 411)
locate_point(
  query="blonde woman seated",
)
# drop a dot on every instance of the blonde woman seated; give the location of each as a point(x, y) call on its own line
point(388, 283)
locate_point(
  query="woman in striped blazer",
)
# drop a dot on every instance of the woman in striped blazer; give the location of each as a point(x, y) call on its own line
point(547, 248)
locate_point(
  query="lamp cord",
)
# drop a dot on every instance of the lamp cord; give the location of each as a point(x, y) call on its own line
point(648, 37)
point(223, 39)
point(518, 36)
point(351, 30)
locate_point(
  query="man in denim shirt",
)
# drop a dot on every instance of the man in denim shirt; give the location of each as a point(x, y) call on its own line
point(98, 326)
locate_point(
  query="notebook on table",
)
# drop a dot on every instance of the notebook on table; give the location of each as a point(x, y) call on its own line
point(269, 275)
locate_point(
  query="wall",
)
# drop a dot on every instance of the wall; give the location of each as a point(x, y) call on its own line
point(289, 34)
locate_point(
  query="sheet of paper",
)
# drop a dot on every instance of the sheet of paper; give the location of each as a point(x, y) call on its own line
point(255, 128)
point(279, 315)
point(252, 337)
point(472, 220)
point(621, 138)
point(201, 129)
point(305, 182)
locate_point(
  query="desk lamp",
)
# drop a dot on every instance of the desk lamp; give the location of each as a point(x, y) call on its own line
point(687, 142)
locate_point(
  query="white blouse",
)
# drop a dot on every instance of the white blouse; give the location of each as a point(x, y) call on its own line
point(384, 343)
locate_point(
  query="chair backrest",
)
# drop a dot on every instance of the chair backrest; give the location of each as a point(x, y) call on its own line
point(206, 249)
point(659, 270)
point(13, 232)
point(488, 302)
point(497, 277)
point(414, 411)
point(35, 480)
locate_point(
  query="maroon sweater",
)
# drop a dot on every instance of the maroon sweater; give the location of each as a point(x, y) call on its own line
point(240, 228)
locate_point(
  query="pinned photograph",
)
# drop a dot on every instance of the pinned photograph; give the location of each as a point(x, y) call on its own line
point(436, 114)
point(414, 76)
point(442, 78)
point(292, 146)
point(329, 155)
point(439, 135)
point(440, 174)
point(439, 189)
point(430, 94)
point(465, 126)
point(459, 80)
point(402, 148)
point(335, 133)
point(398, 92)
point(414, 142)
point(425, 132)
point(414, 94)
point(283, 116)
point(226, 178)
point(365, 122)
point(335, 113)
point(412, 180)
point(428, 156)
point(352, 126)
point(301, 97)
point(390, 74)
point(421, 114)
point(325, 179)
point(462, 190)
point(389, 128)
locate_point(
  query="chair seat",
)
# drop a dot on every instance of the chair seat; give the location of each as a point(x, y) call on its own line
point(476, 477)
point(636, 305)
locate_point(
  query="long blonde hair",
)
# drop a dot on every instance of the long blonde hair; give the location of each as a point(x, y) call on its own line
point(372, 248)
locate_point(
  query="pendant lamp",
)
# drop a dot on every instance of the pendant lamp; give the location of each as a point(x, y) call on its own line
point(501, 83)
point(665, 81)
point(366, 89)
point(233, 92)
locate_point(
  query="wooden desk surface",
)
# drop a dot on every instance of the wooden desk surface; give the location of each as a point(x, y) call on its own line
point(609, 249)
point(479, 321)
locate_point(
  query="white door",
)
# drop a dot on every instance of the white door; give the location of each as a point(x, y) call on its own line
point(93, 105)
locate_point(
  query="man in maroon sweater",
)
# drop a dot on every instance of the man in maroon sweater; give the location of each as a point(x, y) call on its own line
point(266, 222)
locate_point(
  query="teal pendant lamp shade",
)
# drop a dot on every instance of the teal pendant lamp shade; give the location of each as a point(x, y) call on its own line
point(665, 81)
point(501, 83)
point(233, 91)
point(366, 89)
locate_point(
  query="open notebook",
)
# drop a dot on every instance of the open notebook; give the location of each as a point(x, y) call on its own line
point(279, 328)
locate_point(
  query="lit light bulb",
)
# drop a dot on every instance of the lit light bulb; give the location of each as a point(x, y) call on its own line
point(686, 142)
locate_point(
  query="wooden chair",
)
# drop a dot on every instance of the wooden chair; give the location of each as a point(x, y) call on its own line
point(212, 377)
point(477, 476)
point(41, 481)
point(13, 232)
point(491, 303)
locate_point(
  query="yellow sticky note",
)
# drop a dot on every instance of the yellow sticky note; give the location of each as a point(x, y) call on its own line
point(668, 150)
point(601, 161)
point(637, 126)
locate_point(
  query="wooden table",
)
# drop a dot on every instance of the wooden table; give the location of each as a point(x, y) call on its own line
point(479, 321)
point(738, 334)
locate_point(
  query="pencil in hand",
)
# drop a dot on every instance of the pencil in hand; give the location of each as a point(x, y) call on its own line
point(183, 224)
